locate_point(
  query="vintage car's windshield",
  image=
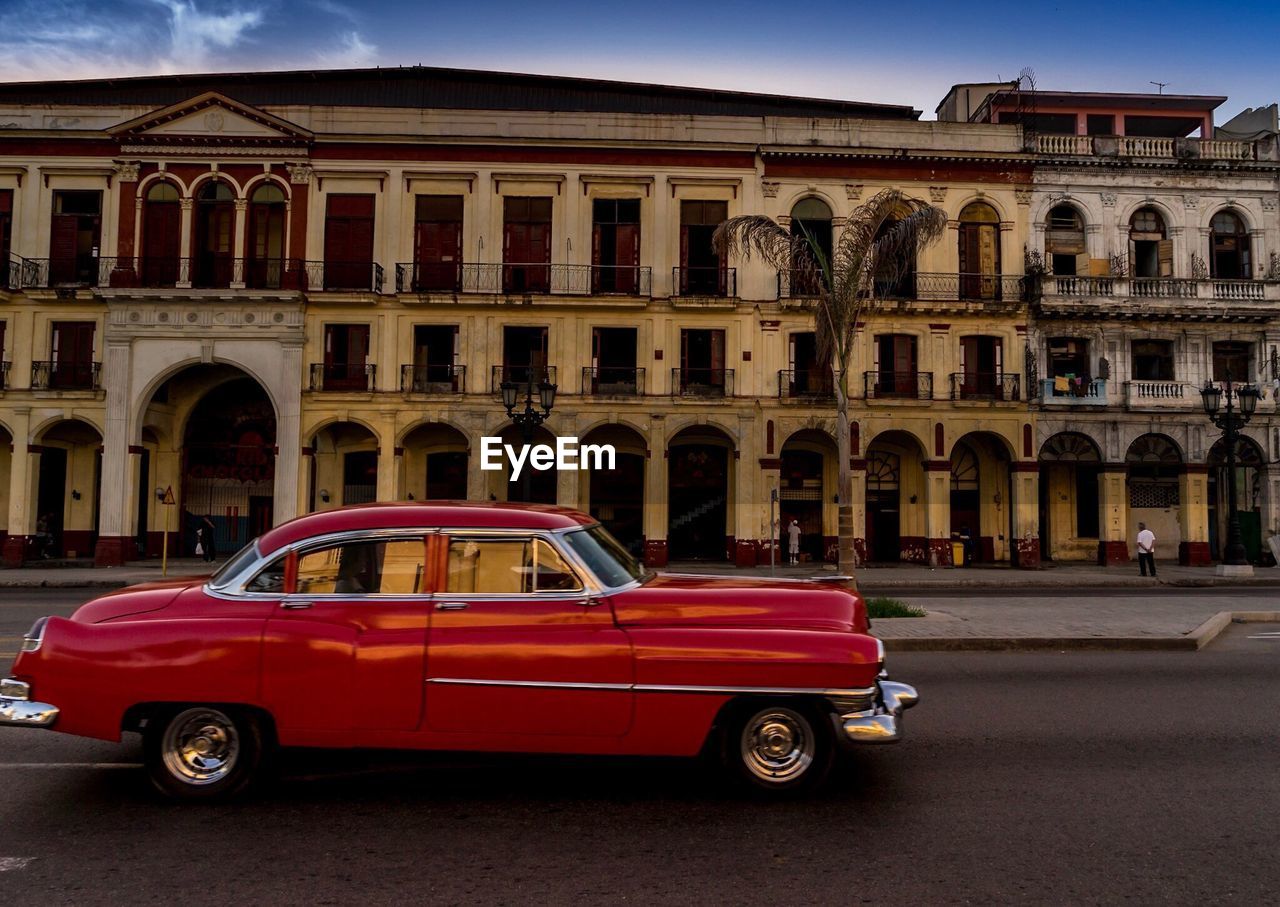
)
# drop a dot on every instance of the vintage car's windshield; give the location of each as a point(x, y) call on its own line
point(612, 564)
point(232, 568)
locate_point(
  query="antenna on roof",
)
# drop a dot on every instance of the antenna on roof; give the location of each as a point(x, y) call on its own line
point(1160, 86)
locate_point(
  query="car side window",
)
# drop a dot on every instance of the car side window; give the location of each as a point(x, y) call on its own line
point(495, 566)
point(270, 579)
point(391, 567)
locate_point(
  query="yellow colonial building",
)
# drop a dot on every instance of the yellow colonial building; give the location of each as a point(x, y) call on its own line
point(280, 292)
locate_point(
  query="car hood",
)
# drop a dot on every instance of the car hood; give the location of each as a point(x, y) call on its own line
point(133, 600)
point(695, 600)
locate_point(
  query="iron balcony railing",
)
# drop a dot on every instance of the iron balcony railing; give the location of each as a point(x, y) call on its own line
point(702, 382)
point(537, 278)
point(882, 385)
point(343, 376)
point(522, 374)
point(55, 273)
point(4, 376)
point(55, 375)
point(433, 379)
point(343, 276)
point(708, 281)
point(613, 380)
point(17, 272)
point(998, 386)
point(805, 384)
point(204, 273)
point(797, 283)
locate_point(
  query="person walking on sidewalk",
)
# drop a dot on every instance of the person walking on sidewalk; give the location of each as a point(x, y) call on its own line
point(793, 541)
point(1146, 549)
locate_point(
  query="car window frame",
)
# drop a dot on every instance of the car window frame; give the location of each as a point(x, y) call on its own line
point(589, 586)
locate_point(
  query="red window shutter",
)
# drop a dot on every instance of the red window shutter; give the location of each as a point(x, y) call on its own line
point(596, 231)
point(358, 345)
point(717, 350)
point(628, 245)
point(330, 337)
point(62, 237)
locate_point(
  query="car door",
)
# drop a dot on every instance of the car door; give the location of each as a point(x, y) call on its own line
point(344, 648)
point(517, 646)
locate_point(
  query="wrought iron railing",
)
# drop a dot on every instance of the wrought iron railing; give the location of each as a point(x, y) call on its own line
point(799, 283)
point(522, 374)
point(4, 376)
point(613, 380)
point(207, 272)
point(339, 276)
point(433, 379)
point(343, 376)
point(536, 278)
point(54, 273)
point(999, 386)
point(55, 375)
point(805, 384)
point(702, 382)
point(708, 281)
point(891, 385)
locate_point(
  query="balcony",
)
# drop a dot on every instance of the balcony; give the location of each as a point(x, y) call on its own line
point(807, 385)
point(998, 387)
point(65, 376)
point(801, 287)
point(433, 379)
point(613, 381)
point(343, 276)
point(1073, 392)
point(533, 279)
point(59, 273)
point(897, 385)
point(1151, 147)
point(202, 273)
point(709, 282)
point(1143, 394)
point(343, 376)
point(17, 272)
point(1159, 288)
point(799, 284)
point(521, 374)
point(702, 382)
point(4, 376)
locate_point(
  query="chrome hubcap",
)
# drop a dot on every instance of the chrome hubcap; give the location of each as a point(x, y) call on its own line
point(200, 746)
point(777, 745)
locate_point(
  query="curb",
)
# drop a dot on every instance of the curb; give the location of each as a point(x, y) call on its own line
point(69, 583)
point(1193, 641)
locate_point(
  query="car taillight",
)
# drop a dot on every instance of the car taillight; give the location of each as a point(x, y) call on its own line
point(35, 636)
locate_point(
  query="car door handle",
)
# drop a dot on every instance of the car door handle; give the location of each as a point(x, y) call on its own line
point(451, 606)
point(296, 606)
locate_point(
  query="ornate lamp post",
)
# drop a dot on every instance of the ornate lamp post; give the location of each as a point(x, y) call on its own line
point(1241, 401)
point(528, 419)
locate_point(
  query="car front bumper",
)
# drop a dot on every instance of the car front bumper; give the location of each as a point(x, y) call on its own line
point(16, 710)
point(883, 722)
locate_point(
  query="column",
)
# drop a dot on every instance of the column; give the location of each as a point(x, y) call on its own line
point(655, 495)
point(1113, 516)
point(937, 514)
point(477, 480)
point(770, 485)
point(1193, 488)
point(1025, 481)
point(289, 489)
point(388, 464)
point(187, 206)
point(750, 505)
point(858, 473)
point(115, 515)
point(23, 469)
point(238, 232)
point(567, 487)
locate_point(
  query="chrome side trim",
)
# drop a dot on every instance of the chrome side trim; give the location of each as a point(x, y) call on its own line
point(883, 722)
point(23, 713)
point(854, 694)
point(14, 689)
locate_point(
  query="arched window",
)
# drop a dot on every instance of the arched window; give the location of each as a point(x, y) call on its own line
point(1229, 247)
point(979, 252)
point(212, 257)
point(900, 281)
point(264, 239)
point(811, 218)
point(1150, 253)
point(161, 236)
point(1064, 242)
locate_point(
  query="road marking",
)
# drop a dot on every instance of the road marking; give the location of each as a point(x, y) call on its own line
point(8, 864)
point(92, 765)
point(1275, 636)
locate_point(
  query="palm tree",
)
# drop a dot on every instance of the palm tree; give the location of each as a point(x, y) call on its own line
point(876, 250)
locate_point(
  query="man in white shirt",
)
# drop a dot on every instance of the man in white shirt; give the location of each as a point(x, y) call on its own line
point(793, 541)
point(1146, 549)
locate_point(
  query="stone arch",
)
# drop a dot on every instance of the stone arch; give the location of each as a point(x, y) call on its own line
point(980, 500)
point(167, 370)
point(994, 204)
point(435, 461)
point(624, 420)
point(800, 193)
point(198, 183)
point(144, 184)
point(344, 463)
point(67, 483)
point(251, 185)
point(617, 497)
point(808, 477)
point(40, 429)
point(409, 429)
point(1131, 206)
point(701, 482)
point(1070, 513)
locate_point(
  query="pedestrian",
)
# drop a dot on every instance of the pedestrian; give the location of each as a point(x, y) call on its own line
point(1146, 549)
point(793, 541)
point(205, 540)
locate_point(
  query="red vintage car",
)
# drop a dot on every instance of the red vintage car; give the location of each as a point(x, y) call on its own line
point(484, 627)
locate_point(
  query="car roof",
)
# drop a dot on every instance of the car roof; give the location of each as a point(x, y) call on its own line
point(432, 515)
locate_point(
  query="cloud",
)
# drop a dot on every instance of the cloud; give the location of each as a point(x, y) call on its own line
point(194, 33)
point(352, 52)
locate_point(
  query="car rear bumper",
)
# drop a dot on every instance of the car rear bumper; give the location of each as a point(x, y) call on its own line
point(16, 710)
point(883, 722)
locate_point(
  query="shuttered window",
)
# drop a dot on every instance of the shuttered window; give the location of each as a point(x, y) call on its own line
point(348, 242)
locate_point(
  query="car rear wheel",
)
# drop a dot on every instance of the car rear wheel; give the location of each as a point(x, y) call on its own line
point(204, 752)
point(779, 747)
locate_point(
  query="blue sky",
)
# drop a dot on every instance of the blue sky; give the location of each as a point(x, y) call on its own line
point(907, 53)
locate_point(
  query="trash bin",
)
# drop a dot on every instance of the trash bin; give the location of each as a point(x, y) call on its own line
point(957, 554)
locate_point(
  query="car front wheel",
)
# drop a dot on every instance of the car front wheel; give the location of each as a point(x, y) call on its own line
point(204, 752)
point(779, 747)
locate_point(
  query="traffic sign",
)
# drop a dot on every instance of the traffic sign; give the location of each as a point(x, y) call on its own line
point(168, 496)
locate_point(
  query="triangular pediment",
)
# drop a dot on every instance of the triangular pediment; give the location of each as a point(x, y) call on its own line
point(212, 117)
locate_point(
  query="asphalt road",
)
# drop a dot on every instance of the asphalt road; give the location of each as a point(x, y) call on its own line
point(1036, 778)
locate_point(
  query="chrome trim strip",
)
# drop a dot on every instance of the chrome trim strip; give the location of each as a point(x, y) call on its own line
point(23, 713)
point(660, 688)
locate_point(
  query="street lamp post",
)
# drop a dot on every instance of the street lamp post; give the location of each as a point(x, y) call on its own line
point(1240, 403)
point(528, 419)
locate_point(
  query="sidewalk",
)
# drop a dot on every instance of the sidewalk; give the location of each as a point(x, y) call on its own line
point(37, 576)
